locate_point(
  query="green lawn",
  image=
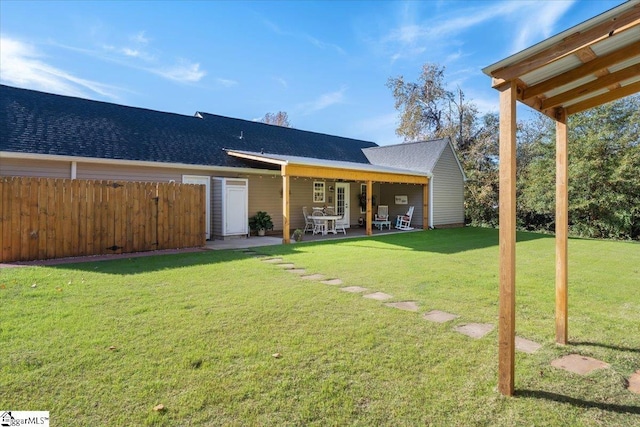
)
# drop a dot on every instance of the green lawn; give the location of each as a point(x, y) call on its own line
point(196, 332)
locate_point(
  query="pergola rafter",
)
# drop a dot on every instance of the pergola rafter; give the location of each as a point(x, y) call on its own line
point(588, 65)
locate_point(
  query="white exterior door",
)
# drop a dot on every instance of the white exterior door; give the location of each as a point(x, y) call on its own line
point(236, 208)
point(342, 203)
point(206, 181)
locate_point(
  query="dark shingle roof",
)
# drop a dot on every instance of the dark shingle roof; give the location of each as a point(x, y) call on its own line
point(419, 156)
point(42, 123)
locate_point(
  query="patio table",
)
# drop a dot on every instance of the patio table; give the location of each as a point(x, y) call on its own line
point(329, 220)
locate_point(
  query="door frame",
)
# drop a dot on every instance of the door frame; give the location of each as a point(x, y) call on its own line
point(346, 219)
point(206, 181)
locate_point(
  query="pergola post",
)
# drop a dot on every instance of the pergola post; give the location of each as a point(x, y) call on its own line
point(562, 227)
point(369, 216)
point(285, 207)
point(507, 239)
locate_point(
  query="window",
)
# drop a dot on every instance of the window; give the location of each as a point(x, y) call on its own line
point(318, 192)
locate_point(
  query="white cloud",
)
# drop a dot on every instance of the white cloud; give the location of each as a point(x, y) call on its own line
point(140, 38)
point(540, 23)
point(226, 82)
point(282, 81)
point(380, 129)
point(182, 72)
point(21, 64)
point(303, 36)
point(324, 101)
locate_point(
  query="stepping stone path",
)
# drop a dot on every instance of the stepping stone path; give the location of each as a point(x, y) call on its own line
point(404, 305)
point(286, 265)
point(578, 364)
point(332, 282)
point(634, 382)
point(379, 296)
point(439, 316)
point(527, 346)
point(475, 330)
point(354, 289)
point(272, 260)
point(296, 270)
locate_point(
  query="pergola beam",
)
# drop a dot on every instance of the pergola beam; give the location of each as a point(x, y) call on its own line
point(567, 45)
point(612, 95)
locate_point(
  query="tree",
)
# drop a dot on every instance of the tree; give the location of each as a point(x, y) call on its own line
point(280, 118)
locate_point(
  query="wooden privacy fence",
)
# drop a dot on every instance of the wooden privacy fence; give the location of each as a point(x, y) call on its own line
point(43, 218)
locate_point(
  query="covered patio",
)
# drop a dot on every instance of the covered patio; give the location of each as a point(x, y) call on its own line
point(292, 168)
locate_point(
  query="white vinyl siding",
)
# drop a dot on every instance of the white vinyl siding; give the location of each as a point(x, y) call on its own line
point(448, 190)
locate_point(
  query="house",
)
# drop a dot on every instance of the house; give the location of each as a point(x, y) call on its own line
point(246, 166)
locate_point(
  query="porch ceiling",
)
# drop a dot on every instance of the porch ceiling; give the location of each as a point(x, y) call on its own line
point(332, 169)
point(588, 65)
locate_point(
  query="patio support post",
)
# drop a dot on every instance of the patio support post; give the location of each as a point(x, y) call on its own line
point(425, 206)
point(507, 239)
point(285, 207)
point(562, 227)
point(369, 209)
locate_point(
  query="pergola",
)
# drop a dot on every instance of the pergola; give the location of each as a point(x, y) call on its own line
point(593, 63)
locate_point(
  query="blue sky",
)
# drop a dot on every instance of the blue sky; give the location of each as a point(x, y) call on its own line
point(324, 63)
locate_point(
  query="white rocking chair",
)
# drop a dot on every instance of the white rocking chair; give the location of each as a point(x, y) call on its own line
point(403, 222)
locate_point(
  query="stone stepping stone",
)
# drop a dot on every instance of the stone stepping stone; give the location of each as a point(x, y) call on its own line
point(313, 277)
point(272, 260)
point(527, 346)
point(354, 289)
point(475, 330)
point(296, 270)
point(403, 305)
point(439, 316)
point(332, 282)
point(578, 364)
point(379, 296)
point(634, 382)
point(286, 265)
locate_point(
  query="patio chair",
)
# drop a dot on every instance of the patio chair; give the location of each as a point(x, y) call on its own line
point(403, 222)
point(308, 223)
point(383, 213)
point(381, 218)
point(319, 222)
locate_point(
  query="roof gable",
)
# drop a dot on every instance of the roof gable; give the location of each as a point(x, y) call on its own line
point(418, 156)
point(42, 123)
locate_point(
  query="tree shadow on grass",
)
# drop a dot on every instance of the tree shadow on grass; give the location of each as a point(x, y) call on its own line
point(143, 264)
point(580, 403)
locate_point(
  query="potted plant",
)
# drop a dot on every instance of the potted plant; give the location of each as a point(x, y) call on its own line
point(362, 201)
point(261, 222)
point(298, 234)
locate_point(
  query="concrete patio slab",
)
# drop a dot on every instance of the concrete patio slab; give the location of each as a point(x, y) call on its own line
point(313, 277)
point(403, 305)
point(332, 282)
point(379, 296)
point(578, 364)
point(296, 270)
point(354, 289)
point(527, 346)
point(286, 265)
point(634, 382)
point(272, 260)
point(475, 330)
point(439, 316)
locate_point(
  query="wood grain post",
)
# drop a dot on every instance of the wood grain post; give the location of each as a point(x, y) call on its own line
point(369, 217)
point(562, 227)
point(507, 240)
point(425, 206)
point(285, 207)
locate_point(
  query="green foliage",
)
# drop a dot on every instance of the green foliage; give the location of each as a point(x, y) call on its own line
point(604, 158)
point(261, 221)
